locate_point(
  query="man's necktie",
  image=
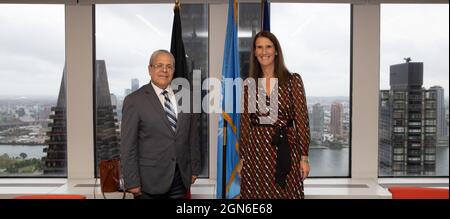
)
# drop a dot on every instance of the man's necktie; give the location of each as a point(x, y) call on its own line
point(170, 112)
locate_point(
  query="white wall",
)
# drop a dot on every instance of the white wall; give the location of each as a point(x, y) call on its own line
point(365, 88)
point(217, 28)
point(79, 59)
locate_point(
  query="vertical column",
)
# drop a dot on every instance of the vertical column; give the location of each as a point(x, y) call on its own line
point(79, 57)
point(365, 89)
point(217, 28)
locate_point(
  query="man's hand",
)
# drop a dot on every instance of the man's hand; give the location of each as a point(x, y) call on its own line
point(239, 167)
point(136, 191)
point(193, 179)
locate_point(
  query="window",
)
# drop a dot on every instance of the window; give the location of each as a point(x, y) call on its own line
point(304, 32)
point(414, 67)
point(398, 115)
point(398, 158)
point(414, 130)
point(399, 105)
point(430, 122)
point(431, 114)
point(399, 129)
point(32, 91)
point(414, 123)
point(399, 151)
point(305, 45)
point(249, 25)
point(126, 36)
point(430, 105)
point(399, 95)
point(430, 129)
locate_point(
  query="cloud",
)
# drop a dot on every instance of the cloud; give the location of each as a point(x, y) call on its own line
point(126, 37)
point(419, 32)
point(315, 39)
point(316, 43)
point(32, 49)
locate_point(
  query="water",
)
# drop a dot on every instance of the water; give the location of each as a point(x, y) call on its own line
point(35, 151)
point(335, 162)
point(324, 162)
point(442, 161)
point(329, 162)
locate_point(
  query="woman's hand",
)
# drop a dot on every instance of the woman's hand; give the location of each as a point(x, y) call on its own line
point(193, 179)
point(304, 167)
point(239, 167)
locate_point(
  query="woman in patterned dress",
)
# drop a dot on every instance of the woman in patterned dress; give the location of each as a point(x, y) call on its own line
point(267, 169)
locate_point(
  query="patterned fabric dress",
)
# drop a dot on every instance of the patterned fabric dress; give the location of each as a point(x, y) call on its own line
point(259, 155)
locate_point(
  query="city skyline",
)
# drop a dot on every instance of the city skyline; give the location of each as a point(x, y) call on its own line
point(328, 140)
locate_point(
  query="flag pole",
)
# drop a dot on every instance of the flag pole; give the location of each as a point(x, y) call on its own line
point(261, 14)
point(265, 14)
point(224, 160)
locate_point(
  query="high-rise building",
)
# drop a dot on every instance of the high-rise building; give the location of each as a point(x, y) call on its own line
point(55, 161)
point(107, 135)
point(134, 84)
point(446, 118)
point(127, 91)
point(441, 123)
point(336, 119)
point(317, 123)
point(407, 132)
point(114, 100)
point(385, 151)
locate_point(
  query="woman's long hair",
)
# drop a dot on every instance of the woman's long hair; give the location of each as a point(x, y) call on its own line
point(281, 72)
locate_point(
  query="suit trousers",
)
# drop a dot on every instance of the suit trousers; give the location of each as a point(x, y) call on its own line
point(177, 189)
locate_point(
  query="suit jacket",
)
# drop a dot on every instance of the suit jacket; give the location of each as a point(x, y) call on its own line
point(150, 149)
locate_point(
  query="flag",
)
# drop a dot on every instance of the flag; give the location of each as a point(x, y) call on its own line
point(228, 135)
point(177, 46)
point(265, 15)
point(178, 52)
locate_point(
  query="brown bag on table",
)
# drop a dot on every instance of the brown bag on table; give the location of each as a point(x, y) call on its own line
point(110, 176)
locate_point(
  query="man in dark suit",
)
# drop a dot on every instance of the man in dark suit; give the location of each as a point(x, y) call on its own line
point(160, 148)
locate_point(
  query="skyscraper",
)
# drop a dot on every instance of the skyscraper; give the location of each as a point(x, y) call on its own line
point(107, 135)
point(114, 100)
point(407, 132)
point(55, 161)
point(134, 84)
point(127, 91)
point(317, 122)
point(441, 123)
point(336, 119)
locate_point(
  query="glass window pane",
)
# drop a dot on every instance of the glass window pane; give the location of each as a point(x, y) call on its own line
point(249, 25)
point(414, 89)
point(32, 91)
point(315, 39)
point(126, 35)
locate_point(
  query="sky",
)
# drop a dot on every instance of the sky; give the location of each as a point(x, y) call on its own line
point(138, 30)
point(316, 44)
point(419, 32)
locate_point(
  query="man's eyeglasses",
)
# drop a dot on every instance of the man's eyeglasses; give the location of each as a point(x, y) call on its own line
point(162, 66)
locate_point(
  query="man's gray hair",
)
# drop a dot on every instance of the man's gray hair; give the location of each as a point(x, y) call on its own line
point(161, 51)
